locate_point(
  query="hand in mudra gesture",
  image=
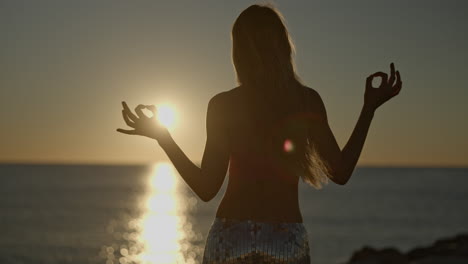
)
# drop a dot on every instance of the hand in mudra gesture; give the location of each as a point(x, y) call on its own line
point(388, 88)
point(142, 124)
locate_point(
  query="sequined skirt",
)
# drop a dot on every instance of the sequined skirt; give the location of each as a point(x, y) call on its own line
point(246, 241)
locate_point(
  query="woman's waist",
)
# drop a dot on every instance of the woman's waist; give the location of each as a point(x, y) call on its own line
point(251, 222)
point(252, 219)
point(238, 208)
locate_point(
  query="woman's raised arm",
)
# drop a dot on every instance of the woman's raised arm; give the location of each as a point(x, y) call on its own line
point(206, 180)
point(342, 162)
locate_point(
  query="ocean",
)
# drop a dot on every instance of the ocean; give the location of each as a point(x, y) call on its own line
point(146, 214)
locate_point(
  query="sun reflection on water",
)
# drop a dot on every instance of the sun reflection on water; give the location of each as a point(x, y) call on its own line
point(162, 234)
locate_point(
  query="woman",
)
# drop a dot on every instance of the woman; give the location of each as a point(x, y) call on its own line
point(271, 130)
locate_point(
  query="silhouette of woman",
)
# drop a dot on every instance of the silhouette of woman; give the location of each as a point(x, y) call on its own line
point(271, 130)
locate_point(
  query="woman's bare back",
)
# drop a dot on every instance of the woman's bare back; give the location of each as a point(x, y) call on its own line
point(259, 187)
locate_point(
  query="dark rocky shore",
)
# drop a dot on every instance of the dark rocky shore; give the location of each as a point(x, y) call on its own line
point(444, 251)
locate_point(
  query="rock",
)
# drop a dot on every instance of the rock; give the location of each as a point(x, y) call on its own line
point(368, 255)
point(457, 246)
point(444, 251)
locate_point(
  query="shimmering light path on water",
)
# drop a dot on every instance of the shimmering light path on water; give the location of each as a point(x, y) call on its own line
point(161, 234)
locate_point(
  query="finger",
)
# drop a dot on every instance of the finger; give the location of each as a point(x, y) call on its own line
point(129, 112)
point(396, 91)
point(371, 77)
point(369, 81)
point(127, 120)
point(382, 75)
point(128, 132)
point(398, 80)
point(139, 112)
point(392, 75)
point(397, 87)
point(153, 110)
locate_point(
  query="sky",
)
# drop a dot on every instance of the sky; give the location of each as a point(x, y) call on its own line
point(65, 66)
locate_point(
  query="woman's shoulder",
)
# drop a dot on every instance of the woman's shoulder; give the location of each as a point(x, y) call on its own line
point(314, 102)
point(224, 96)
point(308, 90)
point(222, 99)
point(311, 94)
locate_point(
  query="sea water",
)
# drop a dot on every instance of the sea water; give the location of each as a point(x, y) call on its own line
point(147, 214)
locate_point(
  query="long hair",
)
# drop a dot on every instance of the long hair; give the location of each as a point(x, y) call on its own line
point(262, 54)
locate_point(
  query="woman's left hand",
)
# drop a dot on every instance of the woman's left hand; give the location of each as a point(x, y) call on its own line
point(143, 125)
point(388, 88)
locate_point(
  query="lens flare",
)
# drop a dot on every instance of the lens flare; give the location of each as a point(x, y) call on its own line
point(288, 146)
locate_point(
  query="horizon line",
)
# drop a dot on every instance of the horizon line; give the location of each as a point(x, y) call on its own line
point(149, 163)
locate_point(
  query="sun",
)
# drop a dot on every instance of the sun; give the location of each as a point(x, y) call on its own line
point(166, 115)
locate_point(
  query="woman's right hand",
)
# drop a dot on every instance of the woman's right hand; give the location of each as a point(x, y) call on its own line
point(143, 125)
point(388, 88)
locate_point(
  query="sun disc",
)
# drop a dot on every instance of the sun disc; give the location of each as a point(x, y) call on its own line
point(166, 115)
